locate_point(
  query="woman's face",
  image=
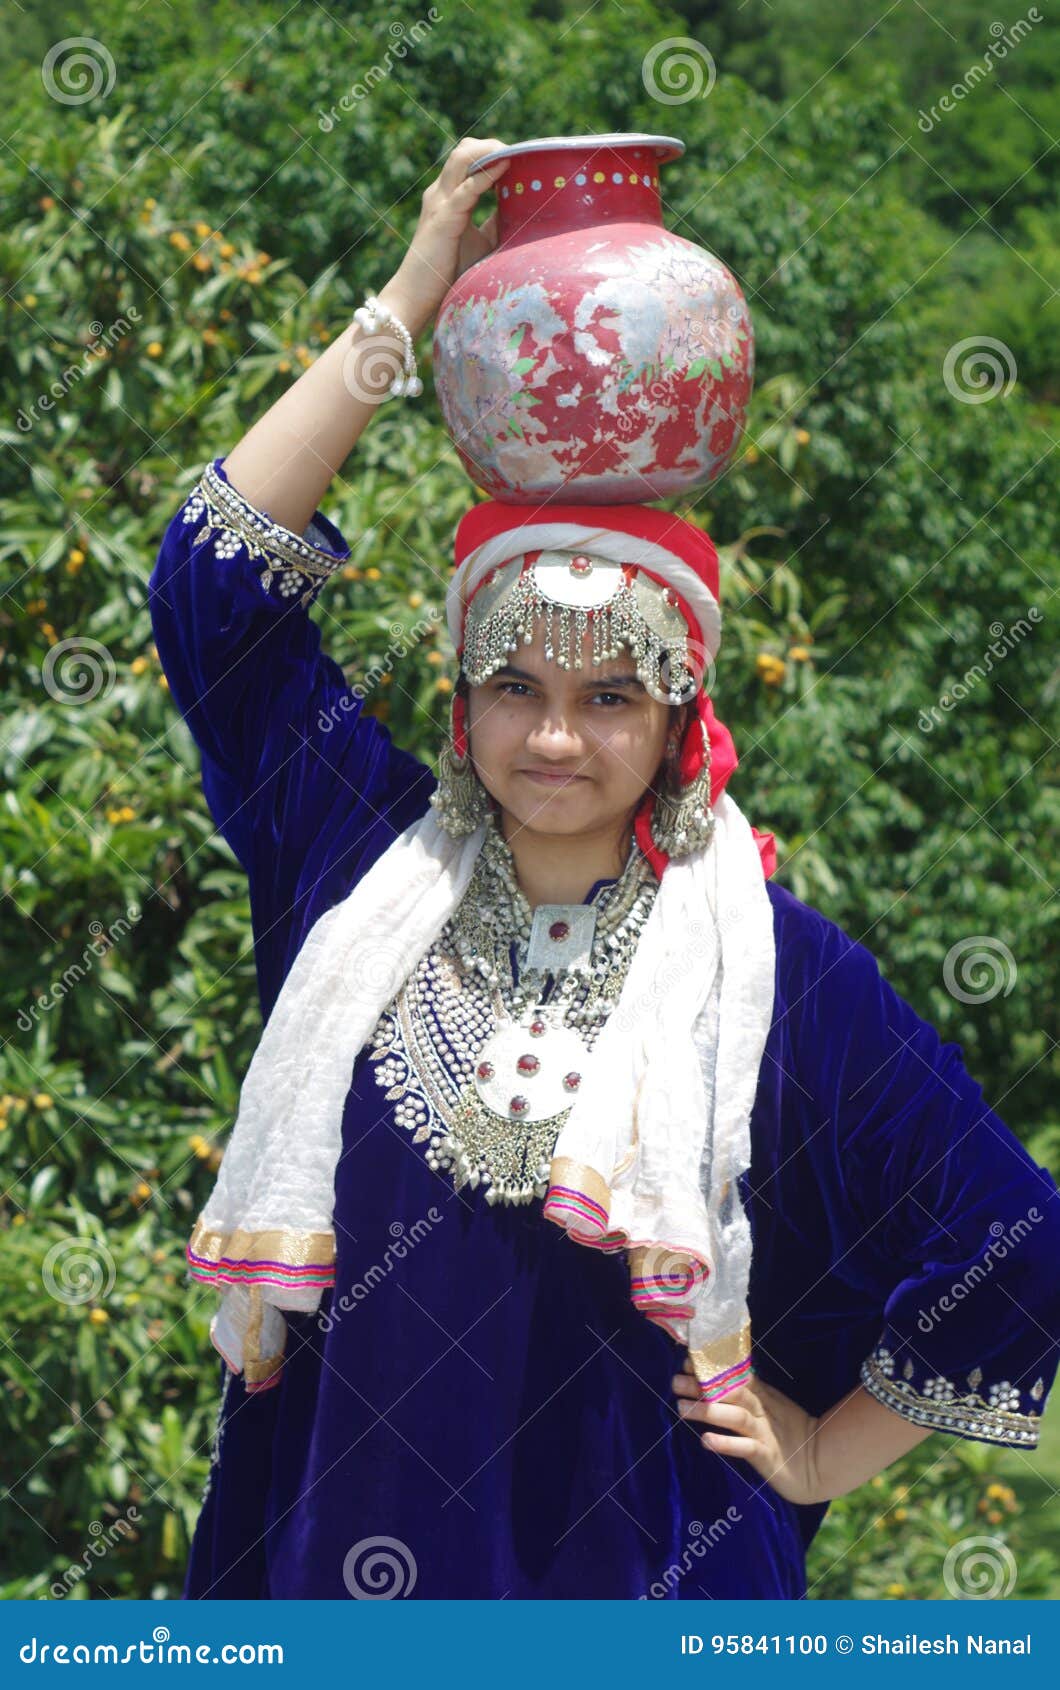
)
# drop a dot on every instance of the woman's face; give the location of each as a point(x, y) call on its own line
point(566, 751)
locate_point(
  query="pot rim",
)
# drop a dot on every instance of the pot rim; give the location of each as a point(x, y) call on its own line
point(667, 147)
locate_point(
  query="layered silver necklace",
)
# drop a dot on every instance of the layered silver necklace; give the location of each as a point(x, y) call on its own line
point(483, 1049)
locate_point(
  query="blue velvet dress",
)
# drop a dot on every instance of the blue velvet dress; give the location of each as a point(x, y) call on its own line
point(489, 1416)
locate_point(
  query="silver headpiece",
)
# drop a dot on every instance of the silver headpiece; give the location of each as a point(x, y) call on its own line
point(622, 605)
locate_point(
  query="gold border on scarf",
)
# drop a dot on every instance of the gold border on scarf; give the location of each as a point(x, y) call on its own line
point(650, 1260)
point(711, 1359)
point(581, 1177)
point(256, 1367)
point(289, 1247)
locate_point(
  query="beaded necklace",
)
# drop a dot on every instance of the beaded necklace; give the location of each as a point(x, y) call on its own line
point(484, 1046)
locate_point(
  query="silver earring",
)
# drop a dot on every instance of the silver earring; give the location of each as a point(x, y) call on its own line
point(682, 818)
point(460, 800)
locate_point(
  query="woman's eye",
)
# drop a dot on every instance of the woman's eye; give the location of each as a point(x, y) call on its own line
point(520, 686)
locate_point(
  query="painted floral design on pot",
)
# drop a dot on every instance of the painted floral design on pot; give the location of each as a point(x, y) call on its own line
point(594, 355)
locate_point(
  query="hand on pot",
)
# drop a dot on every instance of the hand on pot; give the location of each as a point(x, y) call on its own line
point(446, 241)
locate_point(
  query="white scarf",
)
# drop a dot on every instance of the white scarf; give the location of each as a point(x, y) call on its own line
point(659, 1128)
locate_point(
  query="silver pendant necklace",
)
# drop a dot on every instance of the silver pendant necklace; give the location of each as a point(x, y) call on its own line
point(485, 1046)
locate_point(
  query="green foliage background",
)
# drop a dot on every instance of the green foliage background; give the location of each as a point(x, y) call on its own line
point(873, 531)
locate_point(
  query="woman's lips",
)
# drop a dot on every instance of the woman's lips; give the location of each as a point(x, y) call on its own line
point(550, 780)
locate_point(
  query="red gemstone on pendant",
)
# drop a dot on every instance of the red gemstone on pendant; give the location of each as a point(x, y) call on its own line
point(485, 1070)
point(571, 1081)
point(537, 1027)
point(528, 1064)
point(559, 930)
point(669, 596)
point(518, 1106)
point(581, 565)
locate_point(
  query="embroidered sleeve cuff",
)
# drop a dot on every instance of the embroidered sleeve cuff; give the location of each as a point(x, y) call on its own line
point(292, 564)
point(998, 1412)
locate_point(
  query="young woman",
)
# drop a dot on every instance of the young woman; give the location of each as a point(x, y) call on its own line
point(595, 1212)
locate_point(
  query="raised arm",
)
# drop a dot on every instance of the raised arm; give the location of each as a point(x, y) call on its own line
point(306, 788)
point(285, 463)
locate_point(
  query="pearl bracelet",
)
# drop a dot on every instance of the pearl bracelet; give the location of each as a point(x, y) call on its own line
point(371, 316)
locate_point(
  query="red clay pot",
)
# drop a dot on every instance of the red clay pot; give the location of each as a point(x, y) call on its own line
point(593, 356)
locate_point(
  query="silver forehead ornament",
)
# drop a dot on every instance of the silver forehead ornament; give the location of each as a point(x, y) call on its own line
point(575, 592)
